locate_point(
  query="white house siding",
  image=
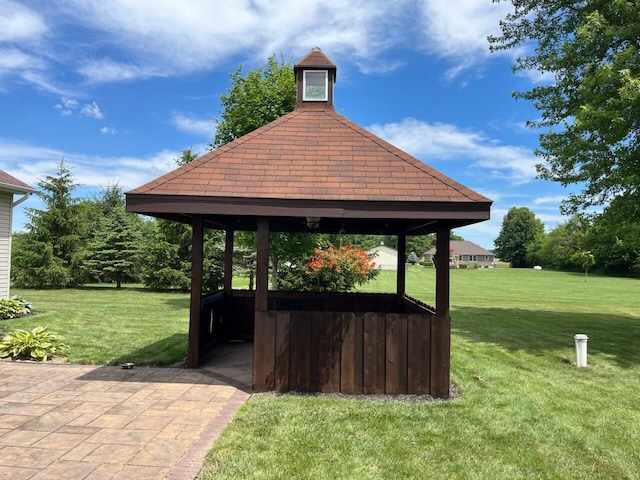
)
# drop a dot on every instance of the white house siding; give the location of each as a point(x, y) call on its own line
point(386, 258)
point(6, 200)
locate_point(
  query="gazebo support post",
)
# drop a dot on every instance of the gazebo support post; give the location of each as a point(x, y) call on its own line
point(401, 276)
point(197, 233)
point(441, 321)
point(228, 261)
point(264, 329)
point(227, 316)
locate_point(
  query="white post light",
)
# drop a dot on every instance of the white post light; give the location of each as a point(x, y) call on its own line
point(581, 349)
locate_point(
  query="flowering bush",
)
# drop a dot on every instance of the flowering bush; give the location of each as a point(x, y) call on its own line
point(339, 269)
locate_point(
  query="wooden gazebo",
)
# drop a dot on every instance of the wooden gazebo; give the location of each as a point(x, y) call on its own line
point(313, 170)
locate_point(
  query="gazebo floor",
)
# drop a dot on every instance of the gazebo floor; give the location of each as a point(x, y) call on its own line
point(231, 363)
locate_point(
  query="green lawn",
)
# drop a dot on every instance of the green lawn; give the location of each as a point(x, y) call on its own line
point(104, 325)
point(524, 412)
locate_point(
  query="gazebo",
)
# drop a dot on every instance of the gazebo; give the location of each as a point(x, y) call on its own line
point(313, 170)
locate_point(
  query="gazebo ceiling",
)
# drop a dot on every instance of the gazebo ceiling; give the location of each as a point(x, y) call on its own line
point(312, 162)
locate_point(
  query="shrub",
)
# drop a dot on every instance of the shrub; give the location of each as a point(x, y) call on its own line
point(38, 344)
point(11, 308)
point(339, 269)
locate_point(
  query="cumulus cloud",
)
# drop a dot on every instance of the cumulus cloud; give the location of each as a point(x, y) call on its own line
point(92, 110)
point(441, 141)
point(108, 130)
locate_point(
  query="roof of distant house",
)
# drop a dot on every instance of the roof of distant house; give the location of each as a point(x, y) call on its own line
point(463, 247)
point(12, 184)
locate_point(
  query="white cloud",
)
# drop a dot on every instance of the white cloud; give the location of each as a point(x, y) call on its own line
point(30, 163)
point(157, 37)
point(556, 199)
point(196, 126)
point(458, 30)
point(18, 22)
point(92, 110)
point(108, 130)
point(441, 141)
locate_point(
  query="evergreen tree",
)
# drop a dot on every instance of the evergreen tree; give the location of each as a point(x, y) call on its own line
point(52, 256)
point(114, 253)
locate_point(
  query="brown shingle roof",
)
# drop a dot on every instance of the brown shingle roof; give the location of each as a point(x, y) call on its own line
point(311, 154)
point(12, 183)
point(315, 59)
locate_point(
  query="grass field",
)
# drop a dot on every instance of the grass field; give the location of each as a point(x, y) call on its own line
point(525, 411)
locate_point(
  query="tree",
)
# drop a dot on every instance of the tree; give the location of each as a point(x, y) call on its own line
point(586, 260)
point(254, 100)
point(592, 108)
point(114, 253)
point(52, 256)
point(521, 232)
point(560, 245)
point(167, 252)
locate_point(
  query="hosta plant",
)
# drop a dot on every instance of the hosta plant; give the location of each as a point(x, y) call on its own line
point(38, 344)
point(10, 308)
point(25, 303)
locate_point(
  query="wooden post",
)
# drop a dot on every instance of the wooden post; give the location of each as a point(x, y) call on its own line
point(228, 261)
point(401, 278)
point(197, 233)
point(441, 322)
point(264, 333)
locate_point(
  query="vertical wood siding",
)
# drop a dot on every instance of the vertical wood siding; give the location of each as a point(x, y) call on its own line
point(348, 352)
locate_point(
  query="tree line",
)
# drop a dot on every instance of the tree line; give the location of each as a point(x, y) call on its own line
point(606, 243)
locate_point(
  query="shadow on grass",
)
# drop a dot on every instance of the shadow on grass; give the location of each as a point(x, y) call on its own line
point(540, 332)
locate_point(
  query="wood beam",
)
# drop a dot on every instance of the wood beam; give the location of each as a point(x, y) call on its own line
point(264, 328)
point(228, 261)
point(197, 234)
point(441, 321)
point(401, 274)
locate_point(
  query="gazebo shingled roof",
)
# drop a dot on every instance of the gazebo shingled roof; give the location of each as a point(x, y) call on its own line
point(311, 163)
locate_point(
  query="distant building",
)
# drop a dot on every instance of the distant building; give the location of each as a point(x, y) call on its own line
point(9, 186)
point(386, 258)
point(467, 252)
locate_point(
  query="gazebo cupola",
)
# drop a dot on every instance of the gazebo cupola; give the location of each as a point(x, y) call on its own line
point(315, 76)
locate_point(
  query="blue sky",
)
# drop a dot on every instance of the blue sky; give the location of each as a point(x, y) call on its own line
point(120, 88)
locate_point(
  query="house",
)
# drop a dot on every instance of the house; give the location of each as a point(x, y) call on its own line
point(9, 186)
point(463, 251)
point(386, 258)
point(315, 171)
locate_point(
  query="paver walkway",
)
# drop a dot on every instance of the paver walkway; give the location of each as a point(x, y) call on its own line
point(85, 422)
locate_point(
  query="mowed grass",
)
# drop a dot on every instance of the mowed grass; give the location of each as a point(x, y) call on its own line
point(105, 325)
point(525, 411)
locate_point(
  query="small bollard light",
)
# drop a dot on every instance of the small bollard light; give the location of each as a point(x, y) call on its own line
point(581, 349)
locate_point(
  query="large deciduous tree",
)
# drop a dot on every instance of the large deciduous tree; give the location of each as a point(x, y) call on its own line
point(255, 99)
point(591, 109)
point(519, 237)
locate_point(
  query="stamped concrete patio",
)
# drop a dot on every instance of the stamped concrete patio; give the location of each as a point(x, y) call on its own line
point(97, 422)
